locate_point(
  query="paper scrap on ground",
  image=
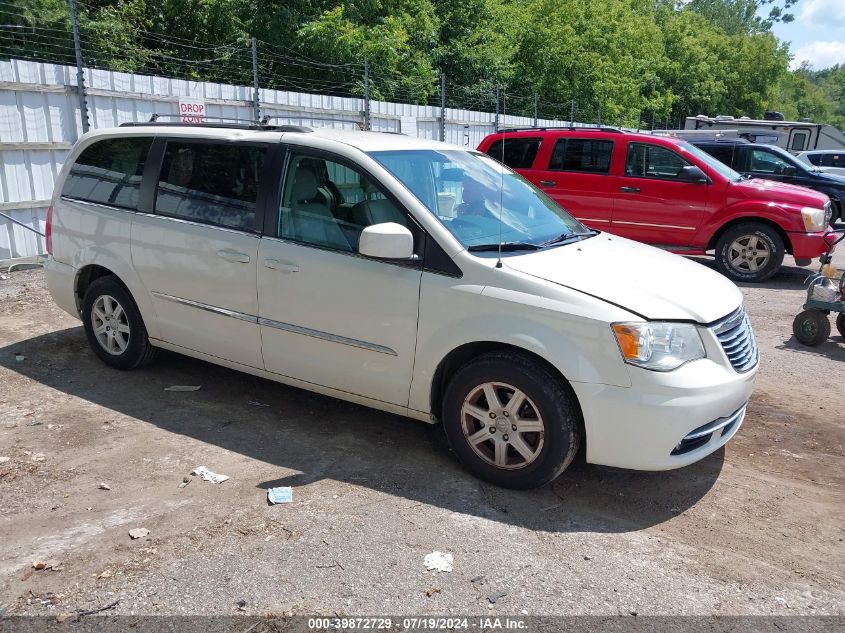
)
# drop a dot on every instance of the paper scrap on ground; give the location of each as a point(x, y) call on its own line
point(438, 561)
point(207, 475)
point(283, 494)
point(183, 388)
point(138, 533)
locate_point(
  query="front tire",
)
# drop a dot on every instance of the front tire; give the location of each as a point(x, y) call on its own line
point(113, 325)
point(750, 252)
point(511, 421)
point(840, 324)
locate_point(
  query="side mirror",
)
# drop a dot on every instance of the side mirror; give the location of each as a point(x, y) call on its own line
point(791, 170)
point(693, 175)
point(386, 241)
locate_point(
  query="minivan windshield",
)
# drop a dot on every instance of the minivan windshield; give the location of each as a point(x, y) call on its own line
point(712, 162)
point(480, 201)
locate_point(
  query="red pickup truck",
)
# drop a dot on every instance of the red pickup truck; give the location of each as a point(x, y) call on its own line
point(663, 191)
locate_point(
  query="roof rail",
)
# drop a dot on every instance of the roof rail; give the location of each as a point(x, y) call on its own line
point(218, 122)
point(590, 128)
point(269, 117)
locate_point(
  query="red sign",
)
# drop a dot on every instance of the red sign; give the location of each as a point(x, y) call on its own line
point(191, 110)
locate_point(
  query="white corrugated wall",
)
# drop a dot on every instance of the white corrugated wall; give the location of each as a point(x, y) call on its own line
point(39, 122)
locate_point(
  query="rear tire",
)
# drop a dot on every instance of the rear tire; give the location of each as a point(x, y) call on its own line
point(840, 324)
point(511, 421)
point(811, 327)
point(750, 252)
point(113, 325)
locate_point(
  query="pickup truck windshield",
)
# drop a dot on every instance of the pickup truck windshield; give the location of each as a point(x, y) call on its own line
point(470, 193)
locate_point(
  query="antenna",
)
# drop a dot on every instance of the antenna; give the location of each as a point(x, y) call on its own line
point(501, 186)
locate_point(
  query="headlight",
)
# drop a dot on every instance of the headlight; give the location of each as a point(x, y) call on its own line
point(813, 219)
point(658, 346)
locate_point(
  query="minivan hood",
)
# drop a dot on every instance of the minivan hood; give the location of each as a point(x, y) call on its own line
point(645, 280)
point(774, 191)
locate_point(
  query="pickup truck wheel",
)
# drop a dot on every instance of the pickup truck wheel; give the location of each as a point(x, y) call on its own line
point(511, 421)
point(750, 252)
point(113, 325)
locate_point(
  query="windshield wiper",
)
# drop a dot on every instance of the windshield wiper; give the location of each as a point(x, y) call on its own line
point(569, 237)
point(505, 246)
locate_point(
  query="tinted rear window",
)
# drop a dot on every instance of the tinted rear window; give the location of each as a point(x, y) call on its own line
point(579, 154)
point(109, 172)
point(214, 183)
point(519, 152)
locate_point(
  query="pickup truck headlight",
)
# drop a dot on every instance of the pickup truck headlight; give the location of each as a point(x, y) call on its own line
point(658, 346)
point(813, 219)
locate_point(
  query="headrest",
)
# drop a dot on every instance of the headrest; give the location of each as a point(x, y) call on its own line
point(304, 184)
point(369, 187)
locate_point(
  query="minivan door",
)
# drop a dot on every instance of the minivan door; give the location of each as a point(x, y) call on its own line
point(329, 316)
point(195, 248)
point(653, 204)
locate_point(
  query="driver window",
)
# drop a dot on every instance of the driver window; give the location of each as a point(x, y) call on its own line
point(763, 162)
point(327, 204)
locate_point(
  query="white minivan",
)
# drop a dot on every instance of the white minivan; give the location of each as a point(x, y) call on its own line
point(408, 275)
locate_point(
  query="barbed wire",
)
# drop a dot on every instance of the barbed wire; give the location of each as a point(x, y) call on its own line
point(280, 67)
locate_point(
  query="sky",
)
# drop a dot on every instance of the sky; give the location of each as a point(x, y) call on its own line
point(817, 34)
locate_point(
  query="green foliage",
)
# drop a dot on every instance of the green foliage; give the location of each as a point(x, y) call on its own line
point(619, 61)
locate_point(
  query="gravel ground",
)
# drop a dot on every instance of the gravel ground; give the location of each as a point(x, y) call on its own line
point(754, 529)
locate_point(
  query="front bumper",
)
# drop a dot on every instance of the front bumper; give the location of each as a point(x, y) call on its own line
point(650, 425)
point(808, 245)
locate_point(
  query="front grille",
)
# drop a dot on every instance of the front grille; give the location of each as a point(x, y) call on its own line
point(828, 213)
point(703, 434)
point(737, 338)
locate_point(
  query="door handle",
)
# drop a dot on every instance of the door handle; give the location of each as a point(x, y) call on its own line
point(629, 189)
point(284, 267)
point(548, 183)
point(233, 256)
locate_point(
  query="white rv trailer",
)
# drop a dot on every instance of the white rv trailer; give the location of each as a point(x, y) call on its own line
point(795, 136)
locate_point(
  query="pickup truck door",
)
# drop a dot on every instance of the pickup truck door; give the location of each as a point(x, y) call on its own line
point(652, 204)
point(575, 173)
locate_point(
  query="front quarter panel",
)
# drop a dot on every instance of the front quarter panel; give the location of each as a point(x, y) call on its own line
point(567, 328)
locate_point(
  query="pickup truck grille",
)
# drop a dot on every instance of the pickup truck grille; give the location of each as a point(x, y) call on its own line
point(737, 338)
point(828, 213)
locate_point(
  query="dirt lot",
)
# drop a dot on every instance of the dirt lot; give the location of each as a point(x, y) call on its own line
point(755, 529)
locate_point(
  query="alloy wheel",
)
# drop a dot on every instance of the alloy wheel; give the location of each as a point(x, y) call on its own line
point(502, 425)
point(110, 325)
point(749, 253)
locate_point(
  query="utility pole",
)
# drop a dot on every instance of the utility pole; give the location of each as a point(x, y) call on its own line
point(572, 114)
point(256, 106)
point(496, 122)
point(536, 121)
point(366, 94)
point(80, 75)
point(442, 106)
point(639, 119)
